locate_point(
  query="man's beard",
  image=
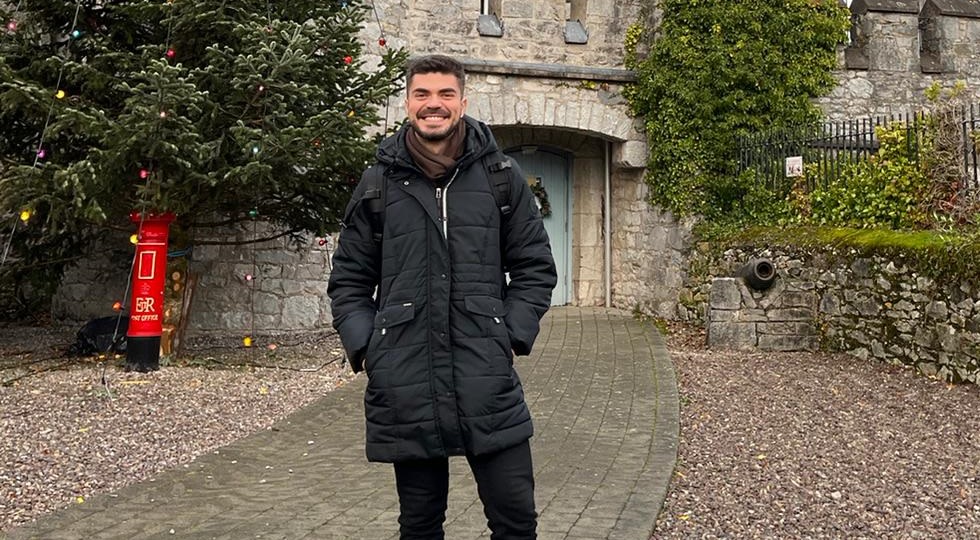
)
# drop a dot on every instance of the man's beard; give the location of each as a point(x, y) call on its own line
point(437, 136)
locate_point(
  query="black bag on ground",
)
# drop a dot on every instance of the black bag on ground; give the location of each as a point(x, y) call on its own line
point(96, 336)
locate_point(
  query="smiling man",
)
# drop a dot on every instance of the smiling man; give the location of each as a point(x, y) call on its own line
point(421, 304)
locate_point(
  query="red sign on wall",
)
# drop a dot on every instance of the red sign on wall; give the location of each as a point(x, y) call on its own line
point(149, 275)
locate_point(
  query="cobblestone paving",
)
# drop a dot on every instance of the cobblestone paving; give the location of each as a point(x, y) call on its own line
point(604, 399)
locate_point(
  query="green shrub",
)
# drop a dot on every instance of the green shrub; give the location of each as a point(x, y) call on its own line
point(886, 190)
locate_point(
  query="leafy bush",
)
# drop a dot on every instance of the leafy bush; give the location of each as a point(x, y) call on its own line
point(886, 190)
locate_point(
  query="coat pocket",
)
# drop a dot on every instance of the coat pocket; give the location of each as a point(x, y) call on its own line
point(390, 325)
point(487, 306)
point(392, 316)
point(488, 312)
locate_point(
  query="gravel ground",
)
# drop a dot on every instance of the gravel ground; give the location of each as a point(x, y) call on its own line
point(798, 445)
point(772, 445)
point(65, 436)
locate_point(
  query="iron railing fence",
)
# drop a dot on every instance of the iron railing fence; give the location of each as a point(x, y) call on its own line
point(826, 148)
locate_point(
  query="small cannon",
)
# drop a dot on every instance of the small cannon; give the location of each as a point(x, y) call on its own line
point(758, 274)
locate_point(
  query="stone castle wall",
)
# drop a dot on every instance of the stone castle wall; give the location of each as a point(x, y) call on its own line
point(531, 31)
point(898, 50)
point(868, 306)
point(287, 291)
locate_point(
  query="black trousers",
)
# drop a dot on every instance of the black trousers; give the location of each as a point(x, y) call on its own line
point(504, 480)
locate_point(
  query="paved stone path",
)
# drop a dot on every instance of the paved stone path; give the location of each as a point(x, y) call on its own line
point(604, 399)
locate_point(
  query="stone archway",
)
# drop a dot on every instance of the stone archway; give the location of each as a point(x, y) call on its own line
point(586, 159)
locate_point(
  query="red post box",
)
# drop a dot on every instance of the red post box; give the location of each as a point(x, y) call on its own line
point(148, 281)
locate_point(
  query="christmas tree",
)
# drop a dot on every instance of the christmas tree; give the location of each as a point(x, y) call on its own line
point(214, 111)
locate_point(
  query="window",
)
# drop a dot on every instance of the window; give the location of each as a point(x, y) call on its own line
point(489, 23)
point(490, 7)
point(575, 32)
point(575, 10)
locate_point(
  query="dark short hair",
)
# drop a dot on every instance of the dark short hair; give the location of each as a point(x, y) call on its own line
point(435, 63)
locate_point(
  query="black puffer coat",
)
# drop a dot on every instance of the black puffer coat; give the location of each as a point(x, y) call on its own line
point(437, 342)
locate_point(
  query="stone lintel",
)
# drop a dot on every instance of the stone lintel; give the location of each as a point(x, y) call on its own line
point(549, 71)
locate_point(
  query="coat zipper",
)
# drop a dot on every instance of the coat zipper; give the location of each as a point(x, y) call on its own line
point(441, 200)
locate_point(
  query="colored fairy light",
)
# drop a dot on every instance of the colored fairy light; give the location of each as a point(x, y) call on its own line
point(144, 174)
point(76, 34)
point(348, 59)
point(41, 153)
point(261, 88)
point(253, 213)
point(117, 306)
point(322, 241)
point(25, 215)
point(255, 149)
point(350, 114)
point(248, 277)
point(133, 239)
point(163, 114)
point(247, 341)
point(382, 42)
point(12, 26)
point(60, 94)
point(171, 53)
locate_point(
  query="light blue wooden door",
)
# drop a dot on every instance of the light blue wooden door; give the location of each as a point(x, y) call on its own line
point(551, 170)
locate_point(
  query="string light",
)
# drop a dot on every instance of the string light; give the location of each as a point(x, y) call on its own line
point(12, 26)
point(253, 213)
point(382, 41)
point(60, 94)
point(76, 34)
point(247, 341)
point(25, 215)
point(248, 277)
point(144, 174)
point(348, 59)
point(41, 153)
point(134, 239)
point(171, 53)
point(117, 306)
point(163, 114)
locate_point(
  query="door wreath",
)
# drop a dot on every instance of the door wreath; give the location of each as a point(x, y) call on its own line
point(542, 196)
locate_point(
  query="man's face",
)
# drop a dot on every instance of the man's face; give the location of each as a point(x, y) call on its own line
point(435, 105)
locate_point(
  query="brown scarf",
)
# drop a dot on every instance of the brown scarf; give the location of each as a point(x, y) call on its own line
point(435, 166)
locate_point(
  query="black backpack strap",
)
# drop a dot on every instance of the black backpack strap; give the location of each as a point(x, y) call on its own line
point(499, 168)
point(374, 198)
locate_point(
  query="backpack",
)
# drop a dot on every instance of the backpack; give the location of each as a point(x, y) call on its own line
point(497, 165)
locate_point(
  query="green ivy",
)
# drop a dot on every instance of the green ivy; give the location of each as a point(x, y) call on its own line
point(716, 70)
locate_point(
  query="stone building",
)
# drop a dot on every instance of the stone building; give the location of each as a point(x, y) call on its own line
point(898, 48)
point(548, 77)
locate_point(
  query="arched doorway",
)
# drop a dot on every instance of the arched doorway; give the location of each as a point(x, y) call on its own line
point(550, 169)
